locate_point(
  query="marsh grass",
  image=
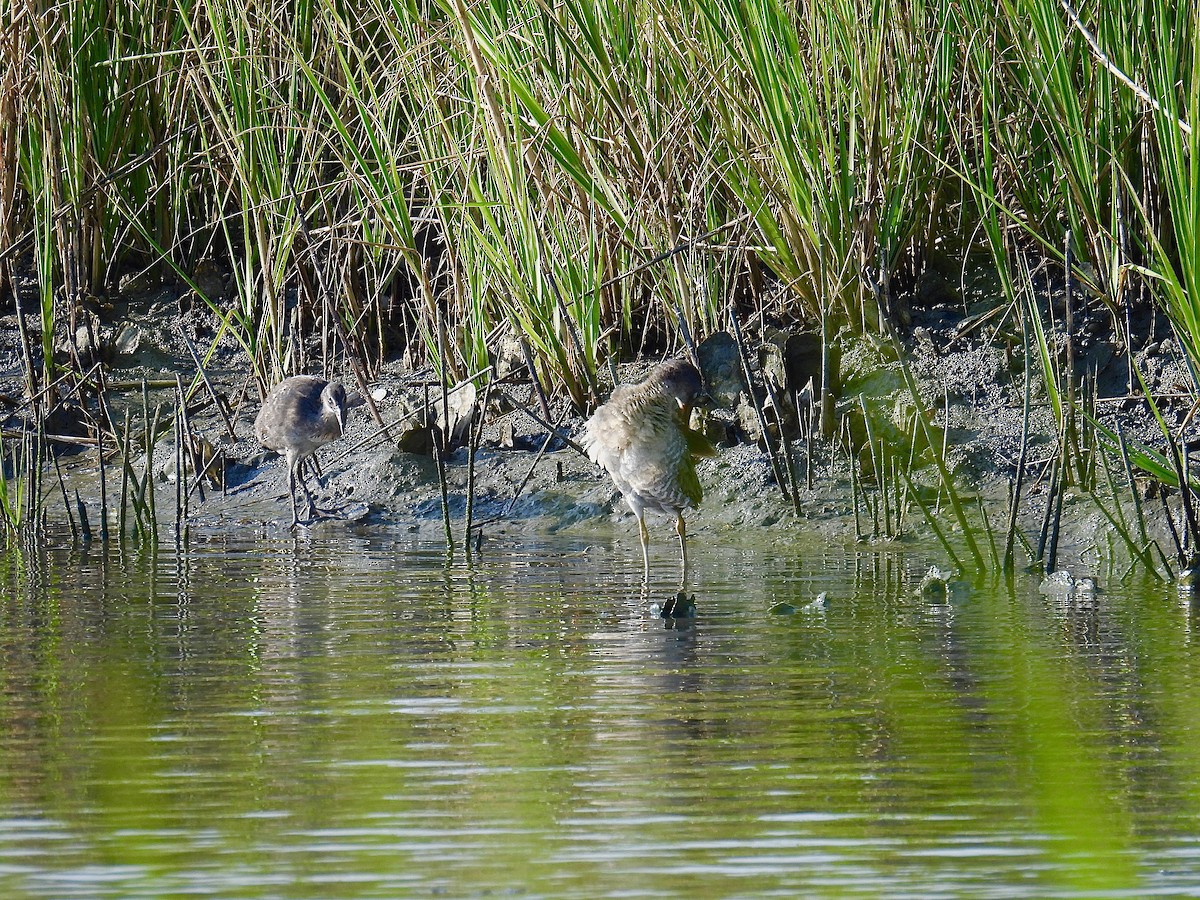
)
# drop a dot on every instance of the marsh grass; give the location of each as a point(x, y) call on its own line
point(606, 179)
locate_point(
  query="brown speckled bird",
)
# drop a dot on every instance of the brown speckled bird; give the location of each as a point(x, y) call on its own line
point(642, 439)
point(299, 415)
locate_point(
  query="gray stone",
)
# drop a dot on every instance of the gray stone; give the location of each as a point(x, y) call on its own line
point(722, 369)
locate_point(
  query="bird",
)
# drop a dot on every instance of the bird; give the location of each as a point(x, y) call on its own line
point(641, 437)
point(298, 416)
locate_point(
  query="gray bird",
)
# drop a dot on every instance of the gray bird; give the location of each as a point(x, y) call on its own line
point(642, 439)
point(299, 415)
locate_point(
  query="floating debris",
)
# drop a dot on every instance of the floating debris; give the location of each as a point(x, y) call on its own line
point(1063, 584)
point(936, 583)
point(817, 605)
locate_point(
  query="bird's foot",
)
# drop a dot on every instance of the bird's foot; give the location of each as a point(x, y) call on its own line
point(316, 514)
point(348, 512)
point(681, 606)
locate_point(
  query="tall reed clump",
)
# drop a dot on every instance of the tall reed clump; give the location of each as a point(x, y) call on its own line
point(1079, 158)
point(252, 77)
point(84, 105)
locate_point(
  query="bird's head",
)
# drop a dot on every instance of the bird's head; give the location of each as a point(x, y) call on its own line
point(681, 380)
point(334, 398)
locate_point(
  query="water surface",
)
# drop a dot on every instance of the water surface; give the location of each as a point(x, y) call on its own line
point(347, 716)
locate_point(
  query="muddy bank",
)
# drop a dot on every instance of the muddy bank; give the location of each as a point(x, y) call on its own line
point(973, 391)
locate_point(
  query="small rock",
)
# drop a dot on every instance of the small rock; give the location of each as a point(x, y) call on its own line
point(130, 339)
point(747, 418)
point(771, 363)
point(210, 279)
point(509, 356)
point(139, 282)
point(508, 438)
point(461, 402)
point(722, 369)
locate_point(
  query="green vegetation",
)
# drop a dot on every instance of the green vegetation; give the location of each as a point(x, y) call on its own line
point(386, 178)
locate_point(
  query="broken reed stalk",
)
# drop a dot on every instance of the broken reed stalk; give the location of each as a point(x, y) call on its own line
point(122, 519)
point(825, 402)
point(1185, 490)
point(1015, 507)
point(103, 487)
point(876, 460)
point(147, 479)
point(24, 472)
point(1069, 323)
point(1170, 517)
point(440, 442)
point(193, 454)
point(1052, 551)
point(758, 410)
point(475, 436)
point(846, 443)
point(180, 476)
point(808, 440)
point(990, 533)
point(1133, 487)
point(11, 498)
point(152, 504)
point(854, 489)
point(84, 525)
point(785, 445)
point(1185, 496)
point(543, 401)
point(62, 487)
point(28, 476)
point(43, 449)
point(1043, 533)
point(26, 351)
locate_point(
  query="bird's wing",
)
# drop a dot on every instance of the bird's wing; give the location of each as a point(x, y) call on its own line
point(698, 444)
point(689, 483)
point(658, 463)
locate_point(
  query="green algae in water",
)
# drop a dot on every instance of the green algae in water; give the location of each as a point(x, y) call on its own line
point(348, 716)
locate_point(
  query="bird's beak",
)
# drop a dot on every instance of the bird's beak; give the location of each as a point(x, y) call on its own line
point(341, 417)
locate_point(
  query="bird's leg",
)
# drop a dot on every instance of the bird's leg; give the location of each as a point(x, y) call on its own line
point(681, 530)
point(645, 537)
point(292, 496)
point(311, 506)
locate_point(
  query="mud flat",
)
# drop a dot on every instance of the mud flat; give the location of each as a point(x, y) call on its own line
point(522, 479)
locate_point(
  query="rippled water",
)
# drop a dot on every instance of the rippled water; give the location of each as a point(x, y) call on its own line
point(342, 716)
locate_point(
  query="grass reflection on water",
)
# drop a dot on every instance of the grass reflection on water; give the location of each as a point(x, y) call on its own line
point(350, 717)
